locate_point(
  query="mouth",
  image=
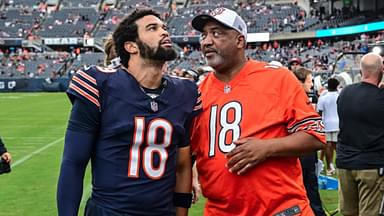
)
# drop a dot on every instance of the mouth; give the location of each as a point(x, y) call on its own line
point(166, 42)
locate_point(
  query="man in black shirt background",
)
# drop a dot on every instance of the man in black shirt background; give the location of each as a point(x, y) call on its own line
point(360, 146)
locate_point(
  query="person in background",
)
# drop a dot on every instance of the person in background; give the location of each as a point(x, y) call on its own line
point(327, 107)
point(309, 161)
point(255, 123)
point(360, 144)
point(133, 123)
point(4, 154)
point(5, 159)
point(111, 59)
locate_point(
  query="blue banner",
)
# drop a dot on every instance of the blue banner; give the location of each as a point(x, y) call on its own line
point(351, 29)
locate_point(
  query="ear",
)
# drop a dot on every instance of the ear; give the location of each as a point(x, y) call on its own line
point(131, 47)
point(241, 41)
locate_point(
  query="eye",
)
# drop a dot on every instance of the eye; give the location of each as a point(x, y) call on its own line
point(152, 28)
point(203, 36)
point(216, 33)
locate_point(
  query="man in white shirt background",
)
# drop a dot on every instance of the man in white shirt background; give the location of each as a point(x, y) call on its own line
point(327, 107)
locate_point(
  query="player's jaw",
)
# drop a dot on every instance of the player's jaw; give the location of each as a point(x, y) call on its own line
point(164, 50)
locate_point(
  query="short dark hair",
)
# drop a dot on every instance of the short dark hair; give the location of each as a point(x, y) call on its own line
point(127, 31)
point(332, 84)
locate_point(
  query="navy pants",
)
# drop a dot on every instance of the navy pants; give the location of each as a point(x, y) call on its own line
point(308, 165)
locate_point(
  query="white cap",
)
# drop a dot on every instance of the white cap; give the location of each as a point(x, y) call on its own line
point(276, 63)
point(225, 16)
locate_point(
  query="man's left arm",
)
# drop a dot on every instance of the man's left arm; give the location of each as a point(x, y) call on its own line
point(183, 196)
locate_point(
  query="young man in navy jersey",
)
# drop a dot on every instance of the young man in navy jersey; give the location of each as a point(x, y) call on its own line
point(133, 123)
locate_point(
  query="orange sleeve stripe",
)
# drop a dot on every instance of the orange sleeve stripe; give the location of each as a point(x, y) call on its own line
point(85, 85)
point(87, 77)
point(85, 94)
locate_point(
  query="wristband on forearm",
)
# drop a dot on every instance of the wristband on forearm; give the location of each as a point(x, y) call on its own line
point(183, 200)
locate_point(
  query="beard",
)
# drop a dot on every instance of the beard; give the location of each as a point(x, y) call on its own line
point(215, 61)
point(158, 54)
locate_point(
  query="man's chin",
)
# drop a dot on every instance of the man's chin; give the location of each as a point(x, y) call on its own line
point(214, 63)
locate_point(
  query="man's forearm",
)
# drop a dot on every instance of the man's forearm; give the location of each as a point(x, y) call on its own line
point(295, 144)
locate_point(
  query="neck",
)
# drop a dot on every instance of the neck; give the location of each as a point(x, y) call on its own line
point(226, 74)
point(147, 73)
point(370, 80)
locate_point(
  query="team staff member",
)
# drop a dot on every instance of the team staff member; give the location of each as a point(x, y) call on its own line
point(309, 161)
point(256, 121)
point(133, 123)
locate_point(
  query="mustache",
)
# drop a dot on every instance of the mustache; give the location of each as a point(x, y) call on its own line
point(205, 50)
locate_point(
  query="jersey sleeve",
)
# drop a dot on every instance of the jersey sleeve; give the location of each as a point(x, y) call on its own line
point(299, 112)
point(197, 108)
point(79, 140)
point(84, 86)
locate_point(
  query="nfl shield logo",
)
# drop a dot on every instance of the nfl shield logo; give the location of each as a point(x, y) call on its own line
point(227, 89)
point(154, 106)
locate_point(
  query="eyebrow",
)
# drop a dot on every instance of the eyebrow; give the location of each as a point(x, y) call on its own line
point(156, 24)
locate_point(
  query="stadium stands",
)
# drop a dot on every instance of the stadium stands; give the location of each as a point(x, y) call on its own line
point(39, 20)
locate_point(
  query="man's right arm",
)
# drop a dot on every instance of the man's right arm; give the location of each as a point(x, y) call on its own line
point(79, 140)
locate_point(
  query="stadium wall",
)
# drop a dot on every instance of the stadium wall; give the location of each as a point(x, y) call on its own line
point(33, 85)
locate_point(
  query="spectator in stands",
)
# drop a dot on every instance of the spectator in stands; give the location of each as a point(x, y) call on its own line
point(294, 63)
point(309, 161)
point(327, 107)
point(360, 145)
point(255, 123)
point(133, 123)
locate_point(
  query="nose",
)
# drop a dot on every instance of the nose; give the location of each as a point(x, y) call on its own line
point(164, 33)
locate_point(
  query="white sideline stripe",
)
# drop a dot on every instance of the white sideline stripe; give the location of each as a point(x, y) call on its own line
point(23, 159)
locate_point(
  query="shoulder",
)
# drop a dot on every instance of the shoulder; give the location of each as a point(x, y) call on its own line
point(181, 83)
point(86, 83)
point(268, 67)
point(95, 73)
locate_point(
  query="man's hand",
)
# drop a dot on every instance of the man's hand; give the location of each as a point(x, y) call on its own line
point(196, 188)
point(7, 157)
point(248, 153)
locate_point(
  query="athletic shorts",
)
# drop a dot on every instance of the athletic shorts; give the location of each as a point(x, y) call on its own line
point(331, 136)
point(366, 184)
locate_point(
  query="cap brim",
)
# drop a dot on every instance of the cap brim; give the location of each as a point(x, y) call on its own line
point(199, 21)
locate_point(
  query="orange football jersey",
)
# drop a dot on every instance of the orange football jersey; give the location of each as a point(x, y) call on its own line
point(262, 101)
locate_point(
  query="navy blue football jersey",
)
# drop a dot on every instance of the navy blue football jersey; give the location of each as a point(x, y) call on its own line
point(134, 156)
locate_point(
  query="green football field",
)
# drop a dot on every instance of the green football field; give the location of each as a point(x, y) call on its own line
point(32, 126)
